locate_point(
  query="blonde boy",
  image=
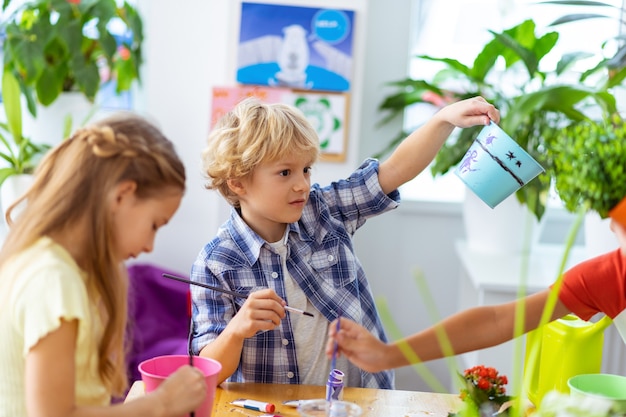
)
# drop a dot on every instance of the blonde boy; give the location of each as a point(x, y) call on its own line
point(288, 241)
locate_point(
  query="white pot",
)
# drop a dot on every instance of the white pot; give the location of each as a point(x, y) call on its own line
point(508, 228)
point(13, 188)
point(49, 125)
point(599, 238)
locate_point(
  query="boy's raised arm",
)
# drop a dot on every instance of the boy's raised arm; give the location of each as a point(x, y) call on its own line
point(414, 154)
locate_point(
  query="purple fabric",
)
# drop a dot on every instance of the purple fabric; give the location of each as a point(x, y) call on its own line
point(159, 315)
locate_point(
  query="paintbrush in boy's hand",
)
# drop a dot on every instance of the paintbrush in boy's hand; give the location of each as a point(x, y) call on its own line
point(229, 292)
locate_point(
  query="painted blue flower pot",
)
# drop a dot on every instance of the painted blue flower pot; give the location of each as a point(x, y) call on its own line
point(495, 166)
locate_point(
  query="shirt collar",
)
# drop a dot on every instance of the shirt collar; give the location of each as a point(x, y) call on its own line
point(249, 242)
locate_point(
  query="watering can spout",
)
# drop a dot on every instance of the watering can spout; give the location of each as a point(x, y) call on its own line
point(555, 353)
point(601, 324)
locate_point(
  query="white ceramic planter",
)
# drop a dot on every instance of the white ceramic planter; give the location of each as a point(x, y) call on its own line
point(508, 228)
point(49, 125)
point(13, 188)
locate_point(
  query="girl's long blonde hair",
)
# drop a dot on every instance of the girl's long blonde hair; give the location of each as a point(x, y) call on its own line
point(71, 186)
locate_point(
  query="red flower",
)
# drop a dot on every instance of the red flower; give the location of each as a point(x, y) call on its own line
point(484, 384)
point(74, 1)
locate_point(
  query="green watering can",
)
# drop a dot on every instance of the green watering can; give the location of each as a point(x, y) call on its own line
point(559, 350)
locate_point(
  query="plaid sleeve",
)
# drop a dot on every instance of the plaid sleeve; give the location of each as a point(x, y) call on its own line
point(353, 200)
point(211, 311)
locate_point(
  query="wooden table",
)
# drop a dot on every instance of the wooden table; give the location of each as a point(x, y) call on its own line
point(374, 402)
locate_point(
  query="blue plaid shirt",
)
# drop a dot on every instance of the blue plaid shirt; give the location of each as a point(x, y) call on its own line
point(320, 259)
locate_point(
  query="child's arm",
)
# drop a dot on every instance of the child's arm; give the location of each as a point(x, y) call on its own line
point(469, 330)
point(262, 311)
point(51, 386)
point(414, 154)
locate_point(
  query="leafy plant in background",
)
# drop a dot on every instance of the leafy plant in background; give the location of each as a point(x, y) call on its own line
point(55, 46)
point(589, 160)
point(534, 104)
point(20, 154)
point(616, 64)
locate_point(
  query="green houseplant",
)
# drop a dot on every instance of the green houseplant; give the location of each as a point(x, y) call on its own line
point(19, 153)
point(534, 105)
point(54, 46)
point(615, 63)
point(589, 160)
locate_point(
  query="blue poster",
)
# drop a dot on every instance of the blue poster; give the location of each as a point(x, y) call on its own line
point(295, 47)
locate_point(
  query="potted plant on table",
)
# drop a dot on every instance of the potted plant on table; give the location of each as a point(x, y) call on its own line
point(534, 103)
point(483, 392)
point(58, 47)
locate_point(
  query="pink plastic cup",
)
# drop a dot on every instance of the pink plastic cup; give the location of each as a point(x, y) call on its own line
point(156, 370)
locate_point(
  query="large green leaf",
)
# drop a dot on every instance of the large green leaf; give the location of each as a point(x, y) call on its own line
point(568, 60)
point(485, 60)
point(576, 17)
point(557, 98)
point(6, 173)
point(527, 56)
point(49, 85)
point(579, 3)
point(12, 105)
point(452, 63)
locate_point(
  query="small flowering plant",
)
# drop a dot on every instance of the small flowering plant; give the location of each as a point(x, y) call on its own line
point(54, 46)
point(483, 391)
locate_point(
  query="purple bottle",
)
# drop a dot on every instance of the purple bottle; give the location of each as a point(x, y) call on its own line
point(334, 386)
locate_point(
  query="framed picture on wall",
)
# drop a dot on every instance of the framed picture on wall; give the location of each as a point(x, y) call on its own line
point(295, 47)
point(326, 111)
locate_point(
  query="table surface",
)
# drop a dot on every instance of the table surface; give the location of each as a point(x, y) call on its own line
point(374, 402)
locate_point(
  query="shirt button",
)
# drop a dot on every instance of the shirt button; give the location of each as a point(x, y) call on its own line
point(274, 275)
point(285, 342)
point(289, 375)
point(331, 257)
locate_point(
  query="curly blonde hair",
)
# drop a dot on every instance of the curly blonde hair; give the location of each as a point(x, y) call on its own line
point(253, 133)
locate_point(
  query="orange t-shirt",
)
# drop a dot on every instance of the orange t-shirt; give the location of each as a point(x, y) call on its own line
point(597, 285)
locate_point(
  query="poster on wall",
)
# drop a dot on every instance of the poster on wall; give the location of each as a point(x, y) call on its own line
point(326, 111)
point(295, 47)
point(226, 98)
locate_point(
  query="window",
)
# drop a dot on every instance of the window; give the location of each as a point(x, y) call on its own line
point(459, 29)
